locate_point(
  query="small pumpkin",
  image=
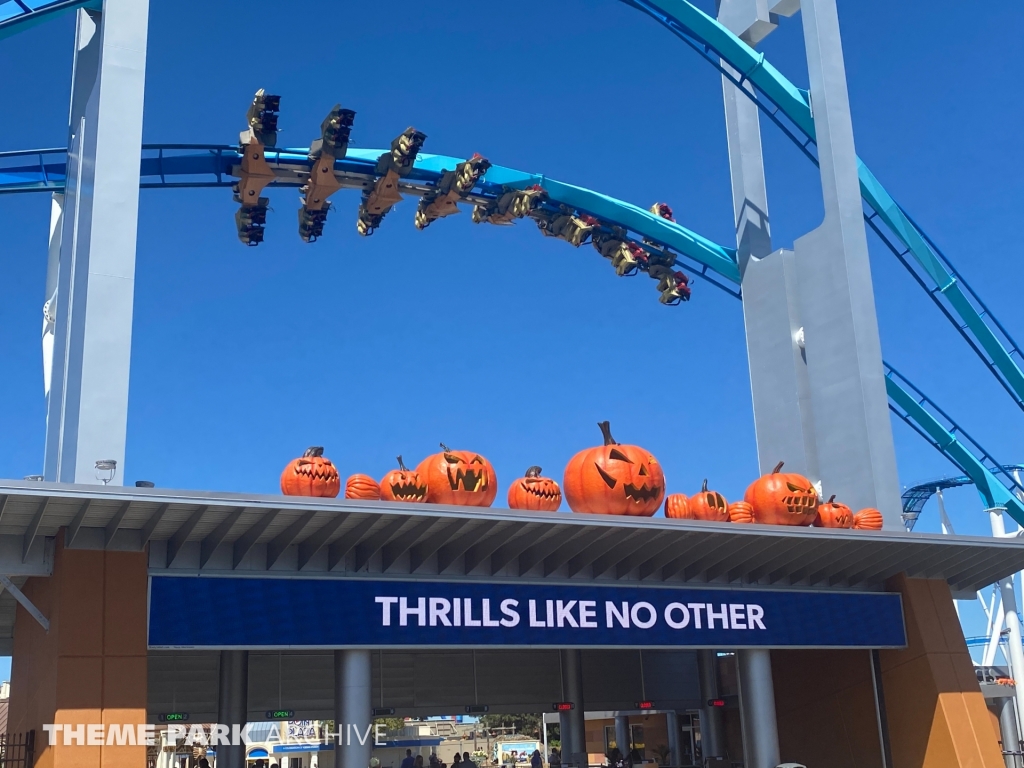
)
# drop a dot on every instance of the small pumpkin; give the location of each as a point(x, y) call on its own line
point(362, 487)
point(462, 478)
point(783, 498)
point(832, 514)
point(311, 475)
point(709, 505)
point(677, 506)
point(869, 519)
point(740, 512)
point(403, 484)
point(614, 479)
point(534, 492)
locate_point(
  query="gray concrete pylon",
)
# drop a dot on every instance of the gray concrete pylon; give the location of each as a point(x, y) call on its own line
point(852, 428)
point(87, 406)
point(353, 713)
point(574, 738)
point(232, 705)
point(712, 735)
point(780, 389)
point(757, 708)
point(675, 748)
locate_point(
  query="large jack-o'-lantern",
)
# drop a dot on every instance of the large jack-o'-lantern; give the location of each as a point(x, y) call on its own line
point(534, 492)
point(311, 475)
point(783, 498)
point(403, 484)
point(462, 478)
point(613, 479)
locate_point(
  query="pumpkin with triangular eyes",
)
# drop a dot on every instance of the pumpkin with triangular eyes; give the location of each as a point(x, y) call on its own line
point(311, 475)
point(614, 479)
point(833, 514)
point(462, 478)
point(540, 494)
point(403, 484)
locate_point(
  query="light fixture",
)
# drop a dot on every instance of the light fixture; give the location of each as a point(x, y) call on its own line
point(105, 470)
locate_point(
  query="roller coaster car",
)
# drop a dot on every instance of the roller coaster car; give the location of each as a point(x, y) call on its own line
point(391, 166)
point(322, 183)
point(251, 220)
point(335, 131)
point(626, 257)
point(566, 225)
point(311, 222)
point(674, 287)
point(262, 120)
point(454, 185)
point(512, 204)
point(254, 172)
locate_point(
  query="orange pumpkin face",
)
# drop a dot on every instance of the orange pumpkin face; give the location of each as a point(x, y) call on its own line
point(677, 506)
point(403, 484)
point(783, 499)
point(832, 514)
point(740, 512)
point(311, 475)
point(869, 519)
point(709, 505)
point(534, 492)
point(614, 479)
point(462, 478)
point(362, 487)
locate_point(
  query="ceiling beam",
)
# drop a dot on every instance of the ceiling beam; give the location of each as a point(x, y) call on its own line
point(247, 540)
point(319, 538)
point(345, 543)
point(365, 550)
point(180, 536)
point(277, 545)
point(154, 520)
point(213, 539)
point(71, 533)
point(395, 549)
point(114, 524)
point(33, 528)
point(421, 552)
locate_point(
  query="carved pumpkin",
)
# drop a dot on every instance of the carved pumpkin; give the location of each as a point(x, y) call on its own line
point(403, 484)
point(832, 514)
point(783, 498)
point(740, 512)
point(534, 492)
point(614, 479)
point(709, 505)
point(869, 519)
point(462, 478)
point(311, 475)
point(677, 506)
point(362, 487)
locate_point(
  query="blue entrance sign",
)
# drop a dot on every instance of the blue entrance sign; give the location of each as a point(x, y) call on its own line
point(332, 613)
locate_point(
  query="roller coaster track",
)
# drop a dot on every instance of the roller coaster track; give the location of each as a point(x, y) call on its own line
point(19, 15)
point(40, 170)
point(778, 98)
point(216, 166)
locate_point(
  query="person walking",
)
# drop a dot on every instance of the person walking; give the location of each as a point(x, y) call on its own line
point(536, 761)
point(466, 762)
point(457, 760)
point(555, 759)
point(408, 762)
point(418, 763)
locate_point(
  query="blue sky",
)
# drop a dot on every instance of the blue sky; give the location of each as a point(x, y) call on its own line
point(496, 339)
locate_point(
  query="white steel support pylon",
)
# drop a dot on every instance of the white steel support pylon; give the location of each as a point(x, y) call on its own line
point(87, 329)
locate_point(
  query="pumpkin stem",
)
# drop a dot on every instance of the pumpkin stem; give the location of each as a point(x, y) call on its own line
point(606, 430)
point(401, 464)
point(831, 499)
point(445, 448)
point(778, 468)
point(313, 452)
point(533, 472)
point(704, 487)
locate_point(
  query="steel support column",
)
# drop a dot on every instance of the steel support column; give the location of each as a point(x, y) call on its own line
point(675, 747)
point(712, 735)
point(622, 736)
point(1008, 732)
point(353, 713)
point(757, 709)
point(232, 704)
point(574, 738)
point(87, 407)
point(853, 433)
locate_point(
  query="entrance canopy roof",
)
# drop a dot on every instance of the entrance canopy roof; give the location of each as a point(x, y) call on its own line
point(201, 531)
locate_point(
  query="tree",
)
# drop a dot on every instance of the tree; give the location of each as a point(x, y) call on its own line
point(528, 725)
